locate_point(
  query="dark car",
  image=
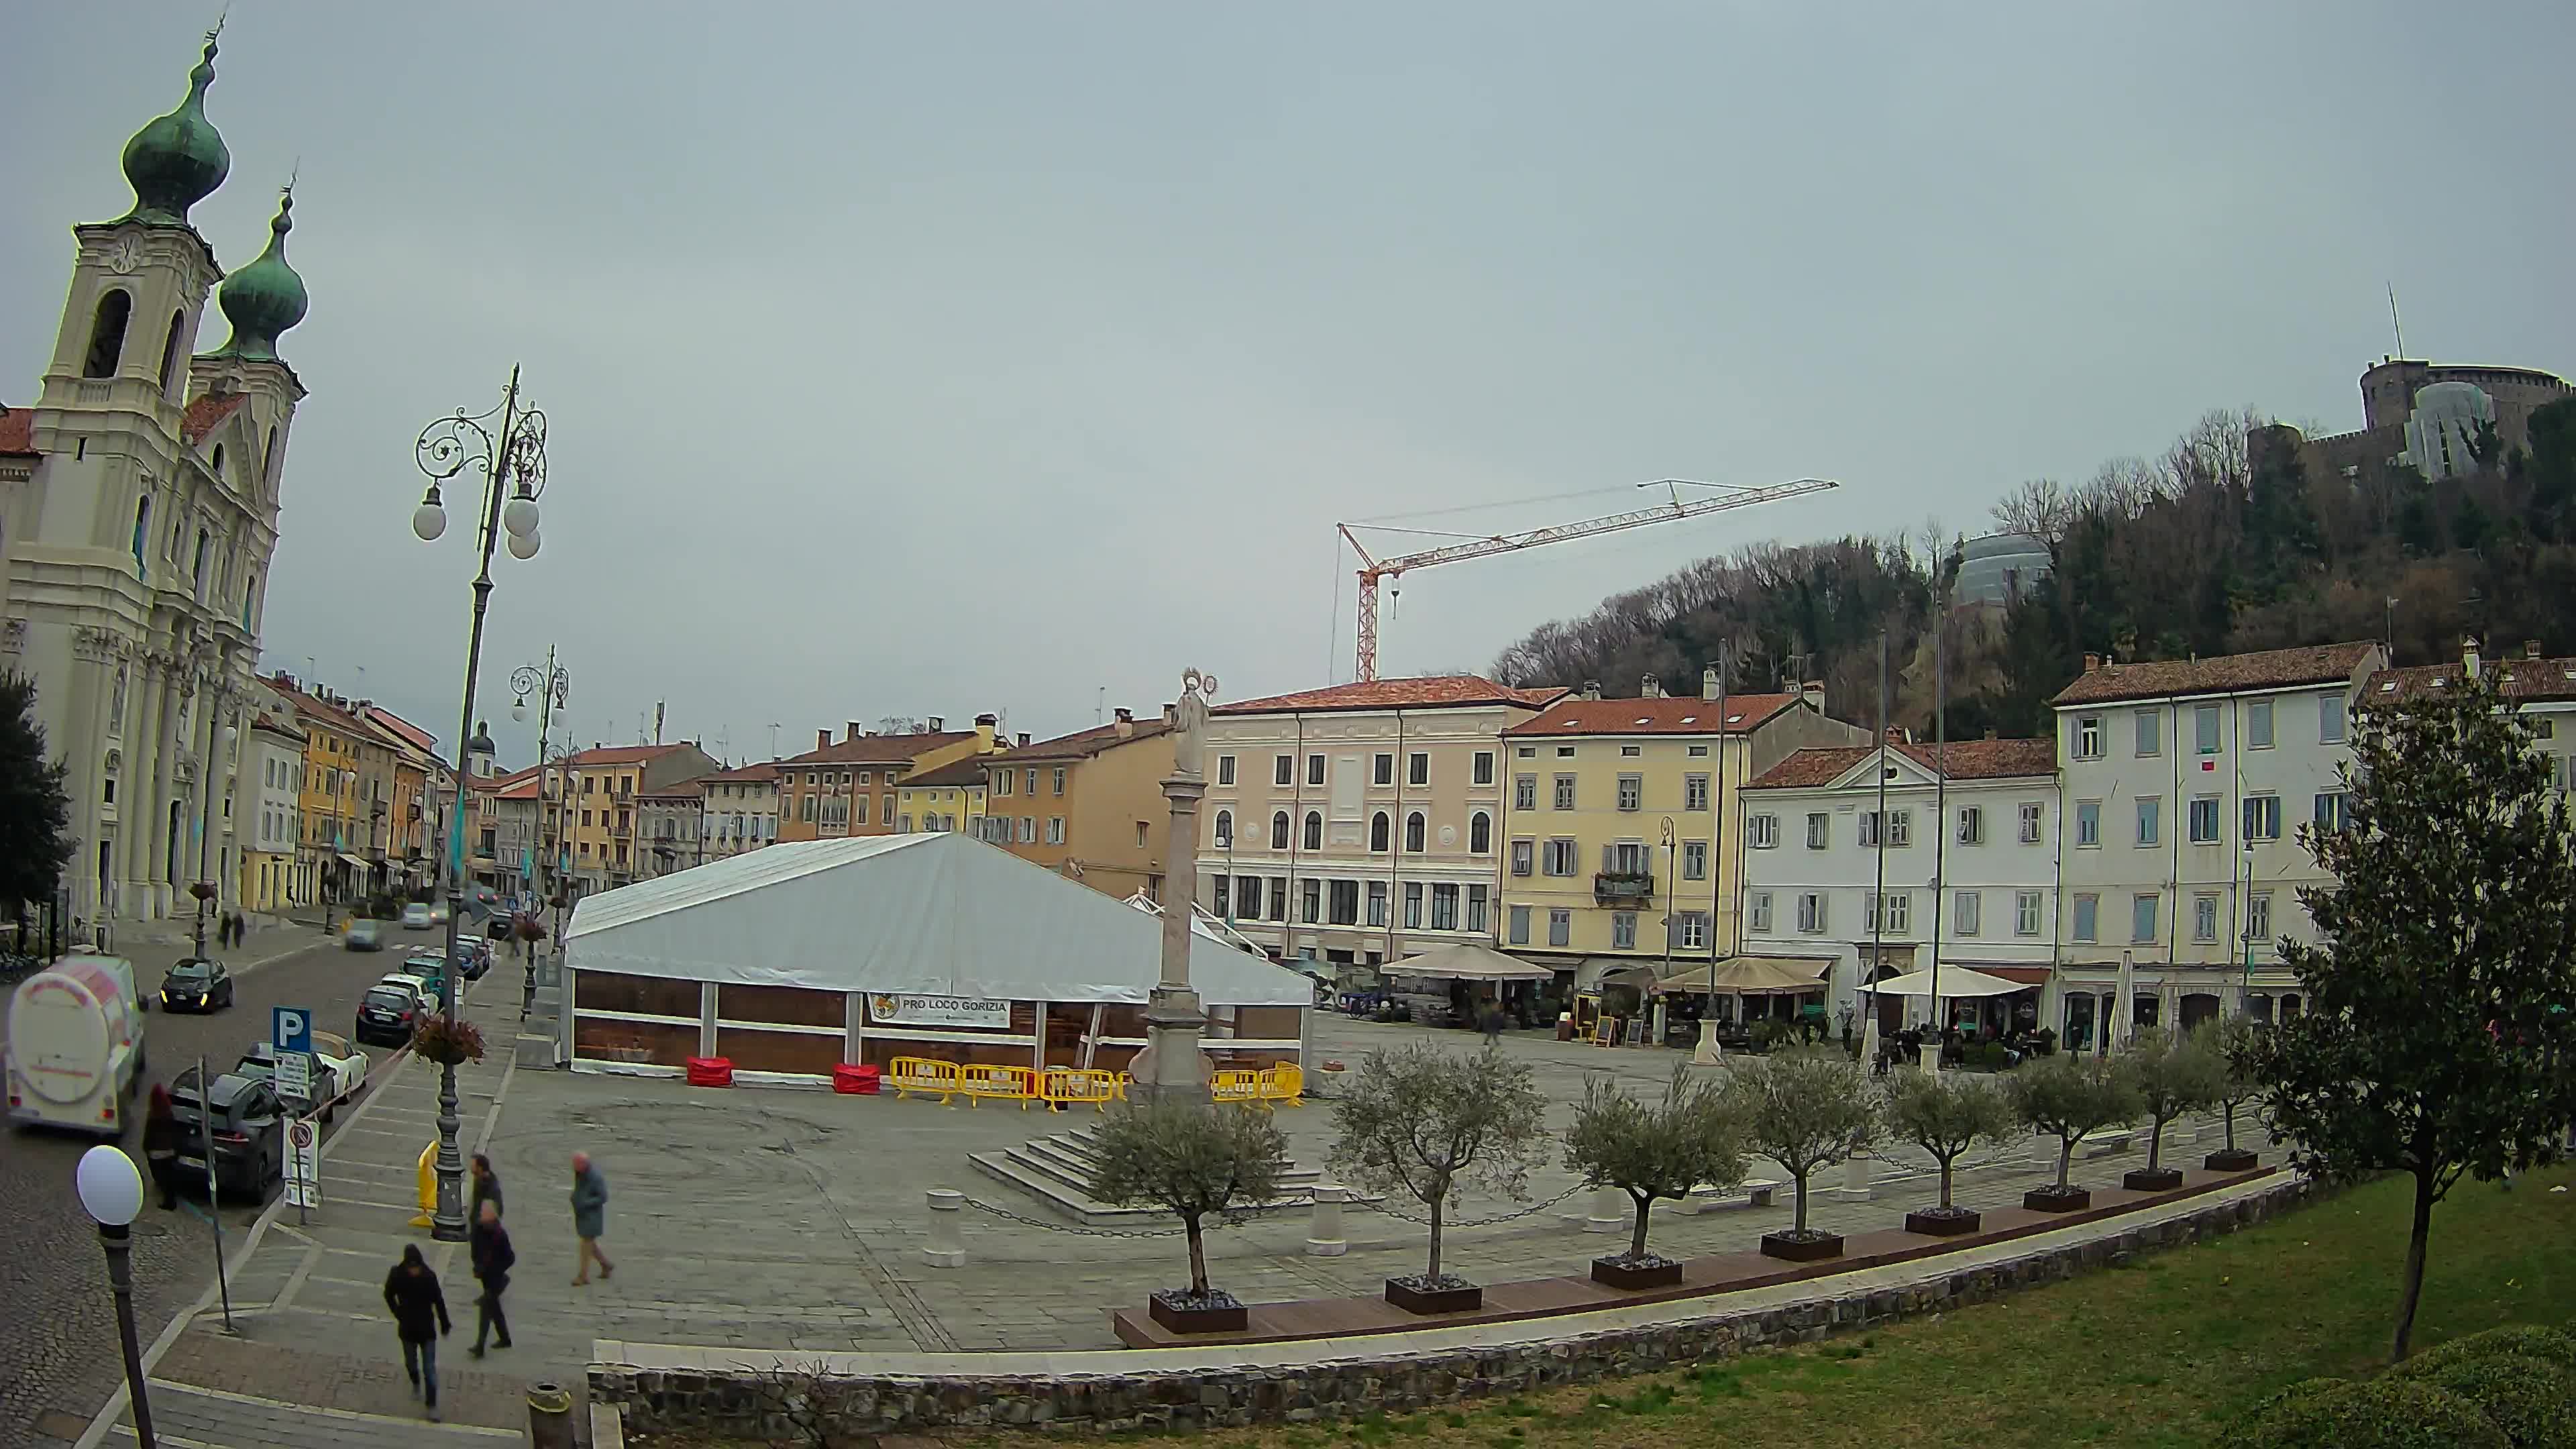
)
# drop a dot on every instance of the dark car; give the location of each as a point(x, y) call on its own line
point(385, 1016)
point(248, 1133)
point(197, 984)
point(477, 955)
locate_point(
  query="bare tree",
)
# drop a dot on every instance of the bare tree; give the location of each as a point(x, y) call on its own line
point(1192, 1162)
point(1661, 1150)
point(1422, 1121)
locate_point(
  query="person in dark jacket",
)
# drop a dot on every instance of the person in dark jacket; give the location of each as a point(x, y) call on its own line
point(589, 1218)
point(419, 1308)
point(161, 1146)
point(487, 1188)
point(493, 1257)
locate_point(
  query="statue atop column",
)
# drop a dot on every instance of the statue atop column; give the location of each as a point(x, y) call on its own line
point(1189, 723)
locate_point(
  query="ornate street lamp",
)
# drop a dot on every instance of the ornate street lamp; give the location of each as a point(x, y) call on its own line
point(111, 1192)
point(513, 464)
point(553, 689)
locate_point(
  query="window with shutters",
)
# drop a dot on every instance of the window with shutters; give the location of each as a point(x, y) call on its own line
point(2026, 913)
point(1520, 923)
point(1694, 792)
point(1525, 792)
point(1623, 930)
point(1757, 910)
point(1811, 912)
point(1632, 792)
point(1967, 913)
point(1565, 792)
point(1820, 830)
point(1524, 854)
point(1694, 860)
point(1560, 928)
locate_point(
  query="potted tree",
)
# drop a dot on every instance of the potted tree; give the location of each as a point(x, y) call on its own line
point(2174, 1074)
point(2237, 1043)
point(1805, 1111)
point(1663, 1150)
point(1194, 1162)
point(2065, 1097)
point(1946, 1114)
point(1424, 1122)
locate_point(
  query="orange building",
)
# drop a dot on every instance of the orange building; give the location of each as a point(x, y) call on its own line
point(835, 790)
point(1089, 804)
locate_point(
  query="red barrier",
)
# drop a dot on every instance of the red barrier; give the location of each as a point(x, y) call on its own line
point(856, 1079)
point(710, 1071)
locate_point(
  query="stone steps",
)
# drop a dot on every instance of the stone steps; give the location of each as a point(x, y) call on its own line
point(1060, 1170)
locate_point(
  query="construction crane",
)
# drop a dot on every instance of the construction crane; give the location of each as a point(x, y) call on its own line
point(1373, 570)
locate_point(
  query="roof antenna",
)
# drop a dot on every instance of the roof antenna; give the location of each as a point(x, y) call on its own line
point(2393, 324)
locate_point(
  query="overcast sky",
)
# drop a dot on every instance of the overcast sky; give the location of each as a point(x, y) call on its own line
point(943, 358)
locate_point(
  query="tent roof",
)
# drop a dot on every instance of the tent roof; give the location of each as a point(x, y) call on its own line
point(1955, 981)
point(1749, 975)
point(938, 914)
point(1467, 961)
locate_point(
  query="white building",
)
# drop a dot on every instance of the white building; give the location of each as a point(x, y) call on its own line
point(138, 512)
point(2185, 782)
point(1357, 824)
point(742, 810)
point(2542, 688)
point(1963, 869)
point(269, 824)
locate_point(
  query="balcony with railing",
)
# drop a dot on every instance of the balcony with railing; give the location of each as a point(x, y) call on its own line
point(1623, 886)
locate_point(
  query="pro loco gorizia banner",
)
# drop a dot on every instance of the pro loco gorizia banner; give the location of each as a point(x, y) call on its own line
point(939, 1011)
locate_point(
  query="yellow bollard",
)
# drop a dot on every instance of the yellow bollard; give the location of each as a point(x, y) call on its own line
point(428, 1185)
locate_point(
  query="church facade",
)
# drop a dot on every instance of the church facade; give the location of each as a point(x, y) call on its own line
point(139, 498)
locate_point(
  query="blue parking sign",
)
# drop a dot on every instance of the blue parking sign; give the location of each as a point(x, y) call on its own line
point(290, 1028)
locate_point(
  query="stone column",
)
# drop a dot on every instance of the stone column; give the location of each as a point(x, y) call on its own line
point(1324, 1235)
point(136, 801)
point(1171, 1068)
point(947, 1246)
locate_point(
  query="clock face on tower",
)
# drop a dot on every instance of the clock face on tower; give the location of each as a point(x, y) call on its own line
point(126, 255)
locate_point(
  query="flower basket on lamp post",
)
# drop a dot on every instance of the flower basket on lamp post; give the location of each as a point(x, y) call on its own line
point(203, 890)
point(447, 1041)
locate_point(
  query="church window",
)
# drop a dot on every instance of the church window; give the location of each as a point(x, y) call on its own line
point(197, 571)
point(142, 522)
point(107, 333)
point(170, 351)
point(217, 466)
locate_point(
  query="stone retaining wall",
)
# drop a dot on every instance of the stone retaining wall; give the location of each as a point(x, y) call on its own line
point(760, 1402)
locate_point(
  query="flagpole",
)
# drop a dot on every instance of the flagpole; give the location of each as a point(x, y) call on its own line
point(1940, 822)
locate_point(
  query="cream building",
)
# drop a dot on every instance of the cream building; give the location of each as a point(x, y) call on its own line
point(742, 810)
point(138, 513)
point(1361, 823)
point(272, 775)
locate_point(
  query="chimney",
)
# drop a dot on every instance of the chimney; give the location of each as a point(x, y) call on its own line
point(2530, 648)
point(1126, 722)
point(986, 726)
point(1708, 687)
point(938, 724)
point(2469, 654)
point(2092, 663)
point(1813, 692)
point(1022, 739)
point(1591, 690)
point(823, 738)
point(1650, 688)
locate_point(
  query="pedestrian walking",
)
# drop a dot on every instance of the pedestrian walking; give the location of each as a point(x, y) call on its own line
point(589, 1218)
point(161, 1146)
point(413, 1297)
point(1493, 1024)
point(487, 1187)
point(493, 1259)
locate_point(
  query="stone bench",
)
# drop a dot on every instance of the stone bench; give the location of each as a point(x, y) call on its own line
point(1758, 1192)
point(2104, 1142)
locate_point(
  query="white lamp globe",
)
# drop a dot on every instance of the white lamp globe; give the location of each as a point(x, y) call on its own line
point(111, 1191)
point(519, 516)
point(428, 521)
point(519, 708)
point(523, 545)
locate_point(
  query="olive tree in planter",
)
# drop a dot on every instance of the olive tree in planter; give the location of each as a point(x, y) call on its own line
point(1946, 1114)
point(2174, 1073)
point(1805, 1111)
point(2065, 1097)
point(2236, 1042)
point(1425, 1122)
point(1194, 1162)
point(1649, 1151)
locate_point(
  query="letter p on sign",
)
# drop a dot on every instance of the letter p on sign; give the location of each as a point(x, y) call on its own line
point(290, 1028)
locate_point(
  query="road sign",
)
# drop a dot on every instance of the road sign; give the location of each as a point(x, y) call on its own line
point(303, 1163)
point(290, 1029)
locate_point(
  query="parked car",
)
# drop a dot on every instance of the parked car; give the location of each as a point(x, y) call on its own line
point(427, 969)
point(364, 935)
point(415, 917)
point(247, 1128)
point(197, 984)
point(339, 1069)
point(476, 954)
point(387, 1012)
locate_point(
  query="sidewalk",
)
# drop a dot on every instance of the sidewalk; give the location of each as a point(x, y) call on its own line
point(314, 1361)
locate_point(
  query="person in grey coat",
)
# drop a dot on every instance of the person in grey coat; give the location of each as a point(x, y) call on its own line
point(589, 1218)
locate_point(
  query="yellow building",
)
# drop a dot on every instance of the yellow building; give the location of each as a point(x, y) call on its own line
point(1622, 821)
point(1088, 805)
point(948, 797)
point(331, 835)
point(854, 787)
point(599, 788)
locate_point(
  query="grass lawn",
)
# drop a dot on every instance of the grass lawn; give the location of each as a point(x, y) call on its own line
point(2156, 1355)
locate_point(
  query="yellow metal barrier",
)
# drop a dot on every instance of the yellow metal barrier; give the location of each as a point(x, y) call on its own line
point(924, 1075)
point(1240, 1085)
point(1284, 1083)
point(979, 1080)
point(1064, 1086)
point(428, 1185)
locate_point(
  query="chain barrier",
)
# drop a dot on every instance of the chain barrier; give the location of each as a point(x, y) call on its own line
point(1446, 1224)
point(1075, 1229)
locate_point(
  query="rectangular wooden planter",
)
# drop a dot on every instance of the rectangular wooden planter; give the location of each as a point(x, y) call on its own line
point(2156, 1179)
point(1466, 1298)
point(1227, 1317)
point(1653, 1273)
point(1801, 1250)
point(1935, 1224)
point(2050, 1200)
point(2229, 1159)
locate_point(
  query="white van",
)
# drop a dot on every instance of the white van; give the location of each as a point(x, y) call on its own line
point(76, 1046)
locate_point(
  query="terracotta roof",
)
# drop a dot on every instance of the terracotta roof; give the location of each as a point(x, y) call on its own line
point(968, 771)
point(2517, 679)
point(766, 772)
point(276, 726)
point(2269, 669)
point(1965, 759)
point(878, 749)
point(1083, 744)
point(620, 755)
point(419, 738)
point(523, 788)
point(18, 432)
point(686, 789)
point(208, 413)
point(310, 707)
point(1692, 716)
point(1435, 691)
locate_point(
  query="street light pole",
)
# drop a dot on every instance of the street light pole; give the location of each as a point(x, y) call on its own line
point(111, 1192)
point(446, 448)
point(552, 687)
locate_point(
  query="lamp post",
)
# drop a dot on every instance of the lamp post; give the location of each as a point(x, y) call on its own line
point(1171, 1069)
point(553, 690)
point(111, 1192)
point(513, 464)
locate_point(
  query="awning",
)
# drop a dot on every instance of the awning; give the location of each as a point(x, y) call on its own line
point(2026, 975)
point(1748, 976)
point(1467, 961)
point(359, 861)
point(1955, 981)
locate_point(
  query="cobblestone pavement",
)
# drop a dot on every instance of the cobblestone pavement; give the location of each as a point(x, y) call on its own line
point(58, 1349)
point(781, 1222)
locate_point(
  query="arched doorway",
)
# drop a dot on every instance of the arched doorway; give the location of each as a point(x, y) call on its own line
point(2198, 1007)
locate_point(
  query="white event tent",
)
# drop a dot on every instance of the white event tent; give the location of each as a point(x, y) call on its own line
point(797, 956)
